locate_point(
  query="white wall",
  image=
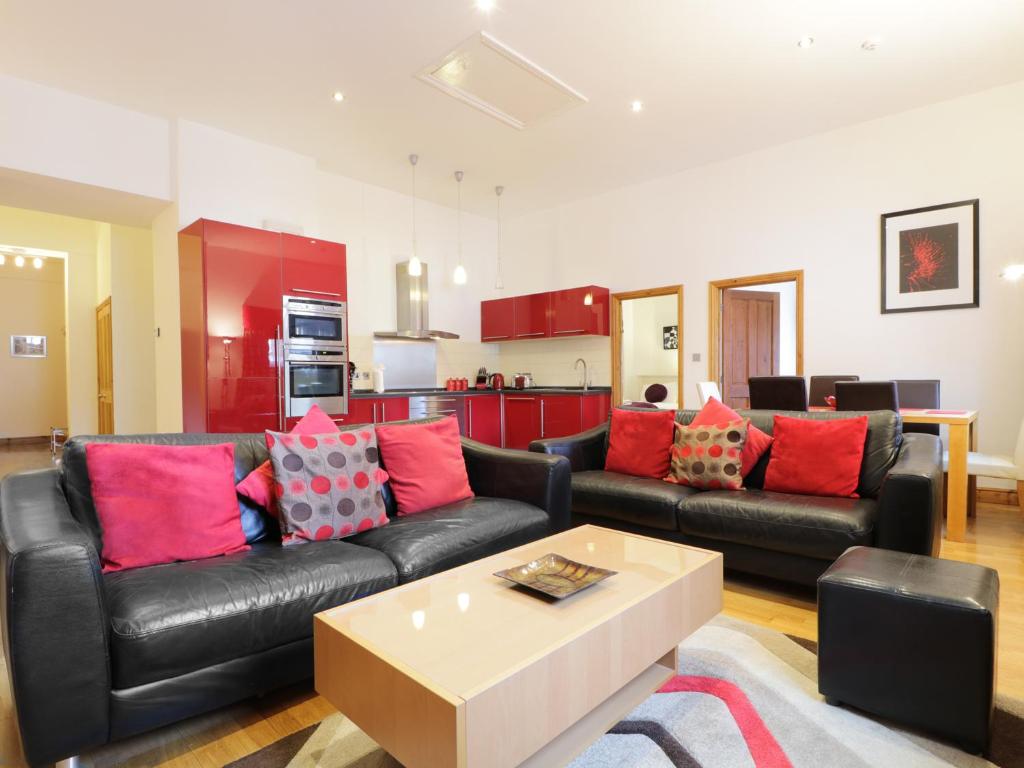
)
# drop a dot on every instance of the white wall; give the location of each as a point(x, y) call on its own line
point(645, 360)
point(787, 322)
point(34, 389)
point(815, 204)
point(166, 318)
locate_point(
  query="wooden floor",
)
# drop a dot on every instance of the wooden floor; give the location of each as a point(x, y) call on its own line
point(995, 538)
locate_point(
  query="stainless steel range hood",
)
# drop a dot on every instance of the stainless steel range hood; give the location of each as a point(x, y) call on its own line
point(412, 303)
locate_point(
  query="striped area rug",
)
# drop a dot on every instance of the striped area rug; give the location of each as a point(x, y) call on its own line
point(745, 697)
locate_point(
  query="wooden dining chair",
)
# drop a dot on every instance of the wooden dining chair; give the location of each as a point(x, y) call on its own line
point(825, 386)
point(919, 393)
point(706, 390)
point(778, 393)
point(867, 396)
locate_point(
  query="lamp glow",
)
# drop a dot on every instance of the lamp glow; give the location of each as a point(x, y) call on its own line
point(3, 259)
point(37, 263)
point(1013, 272)
point(19, 261)
point(459, 277)
point(415, 267)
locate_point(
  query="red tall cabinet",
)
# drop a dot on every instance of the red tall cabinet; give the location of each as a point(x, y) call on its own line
point(232, 279)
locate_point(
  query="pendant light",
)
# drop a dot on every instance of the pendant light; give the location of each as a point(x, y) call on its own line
point(499, 284)
point(415, 265)
point(459, 275)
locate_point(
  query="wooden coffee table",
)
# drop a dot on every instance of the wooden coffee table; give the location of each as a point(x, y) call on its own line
point(464, 669)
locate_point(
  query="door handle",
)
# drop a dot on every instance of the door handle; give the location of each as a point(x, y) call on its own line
point(574, 330)
point(535, 333)
point(277, 380)
point(469, 408)
point(383, 413)
point(316, 293)
point(542, 418)
point(492, 338)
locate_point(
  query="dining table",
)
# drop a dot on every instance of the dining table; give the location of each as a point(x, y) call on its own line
point(961, 488)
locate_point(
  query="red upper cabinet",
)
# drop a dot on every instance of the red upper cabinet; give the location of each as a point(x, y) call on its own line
point(532, 316)
point(313, 268)
point(497, 320)
point(580, 312)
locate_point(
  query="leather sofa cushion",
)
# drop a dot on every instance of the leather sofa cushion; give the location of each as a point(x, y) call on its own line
point(453, 534)
point(881, 448)
point(250, 452)
point(167, 620)
point(812, 526)
point(637, 500)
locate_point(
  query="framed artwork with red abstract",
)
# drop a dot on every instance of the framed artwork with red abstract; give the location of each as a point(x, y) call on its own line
point(930, 258)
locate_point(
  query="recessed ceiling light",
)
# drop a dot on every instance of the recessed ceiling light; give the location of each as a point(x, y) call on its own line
point(1012, 272)
point(338, 96)
point(37, 263)
point(485, 5)
point(805, 42)
point(637, 106)
point(871, 43)
point(19, 261)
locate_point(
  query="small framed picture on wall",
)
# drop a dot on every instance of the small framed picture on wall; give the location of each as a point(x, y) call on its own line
point(670, 337)
point(28, 346)
point(930, 258)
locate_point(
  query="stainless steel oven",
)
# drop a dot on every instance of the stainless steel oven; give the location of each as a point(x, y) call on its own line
point(314, 323)
point(315, 376)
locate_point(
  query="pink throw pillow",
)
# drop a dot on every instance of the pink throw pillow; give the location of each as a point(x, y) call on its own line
point(163, 503)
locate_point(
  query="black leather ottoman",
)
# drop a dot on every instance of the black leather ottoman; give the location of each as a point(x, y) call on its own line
point(911, 638)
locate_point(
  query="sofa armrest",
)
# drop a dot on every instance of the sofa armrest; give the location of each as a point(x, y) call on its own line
point(54, 621)
point(529, 477)
point(585, 451)
point(910, 501)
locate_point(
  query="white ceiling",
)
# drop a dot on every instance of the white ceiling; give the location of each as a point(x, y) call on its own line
point(718, 77)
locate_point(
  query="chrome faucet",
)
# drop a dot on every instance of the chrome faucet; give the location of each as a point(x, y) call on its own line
point(586, 373)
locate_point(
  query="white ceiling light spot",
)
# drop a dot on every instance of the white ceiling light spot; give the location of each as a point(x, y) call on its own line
point(19, 261)
point(3, 259)
point(871, 43)
point(1013, 272)
point(805, 42)
point(37, 263)
point(338, 96)
point(485, 5)
point(637, 106)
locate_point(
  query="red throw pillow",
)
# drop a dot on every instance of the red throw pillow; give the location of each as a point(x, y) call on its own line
point(640, 442)
point(162, 503)
point(425, 464)
point(816, 457)
point(758, 441)
point(258, 485)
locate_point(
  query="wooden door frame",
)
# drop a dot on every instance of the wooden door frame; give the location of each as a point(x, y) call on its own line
point(616, 330)
point(105, 304)
point(715, 291)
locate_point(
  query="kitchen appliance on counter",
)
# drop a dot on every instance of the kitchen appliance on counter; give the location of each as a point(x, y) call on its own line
point(427, 406)
point(522, 380)
point(496, 381)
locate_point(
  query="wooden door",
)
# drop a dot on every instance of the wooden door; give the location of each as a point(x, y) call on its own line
point(105, 369)
point(750, 342)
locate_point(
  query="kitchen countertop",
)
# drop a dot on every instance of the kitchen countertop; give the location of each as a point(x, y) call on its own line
point(358, 394)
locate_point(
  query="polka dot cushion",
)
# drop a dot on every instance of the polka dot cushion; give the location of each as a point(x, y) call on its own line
point(709, 456)
point(329, 485)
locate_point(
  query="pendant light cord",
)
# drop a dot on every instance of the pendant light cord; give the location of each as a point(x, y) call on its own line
point(413, 206)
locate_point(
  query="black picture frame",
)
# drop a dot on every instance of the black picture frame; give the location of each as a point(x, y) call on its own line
point(670, 337)
point(887, 304)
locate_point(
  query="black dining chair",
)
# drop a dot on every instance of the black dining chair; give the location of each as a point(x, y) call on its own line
point(867, 396)
point(919, 393)
point(825, 386)
point(778, 393)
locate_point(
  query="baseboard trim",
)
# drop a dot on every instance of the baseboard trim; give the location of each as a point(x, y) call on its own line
point(1003, 496)
point(15, 442)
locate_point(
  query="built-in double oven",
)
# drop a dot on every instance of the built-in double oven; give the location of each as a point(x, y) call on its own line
point(315, 355)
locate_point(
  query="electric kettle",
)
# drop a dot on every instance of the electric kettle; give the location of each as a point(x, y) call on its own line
point(496, 381)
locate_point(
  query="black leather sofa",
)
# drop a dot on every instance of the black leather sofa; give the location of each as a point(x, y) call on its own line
point(780, 535)
point(95, 657)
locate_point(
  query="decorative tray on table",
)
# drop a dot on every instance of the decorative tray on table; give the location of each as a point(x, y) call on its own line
point(555, 576)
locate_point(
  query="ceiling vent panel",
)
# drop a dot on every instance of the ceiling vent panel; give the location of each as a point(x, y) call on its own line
point(488, 75)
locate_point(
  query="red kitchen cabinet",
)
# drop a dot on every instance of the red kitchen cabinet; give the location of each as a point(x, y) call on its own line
point(531, 316)
point(497, 320)
point(522, 420)
point(560, 415)
point(596, 408)
point(483, 419)
point(313, 268)
point(580, 312)
point(374, 410)
point(392, 409)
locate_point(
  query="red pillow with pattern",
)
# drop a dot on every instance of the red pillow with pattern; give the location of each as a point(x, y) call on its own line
point(328, 485)
point(258, 485)
point(758, 441)
point(709, 456)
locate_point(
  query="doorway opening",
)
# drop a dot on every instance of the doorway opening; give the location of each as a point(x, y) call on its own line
point(755, 328)
point(647, 347)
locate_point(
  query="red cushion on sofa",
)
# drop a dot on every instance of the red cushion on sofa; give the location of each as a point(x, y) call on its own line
point(640, 442)
point(758, 441)
point(162, 503)
point(258, 486)
point(425, 464)
point(816, 457)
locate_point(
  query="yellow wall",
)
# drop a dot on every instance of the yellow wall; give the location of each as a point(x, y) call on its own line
point(32, 303)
